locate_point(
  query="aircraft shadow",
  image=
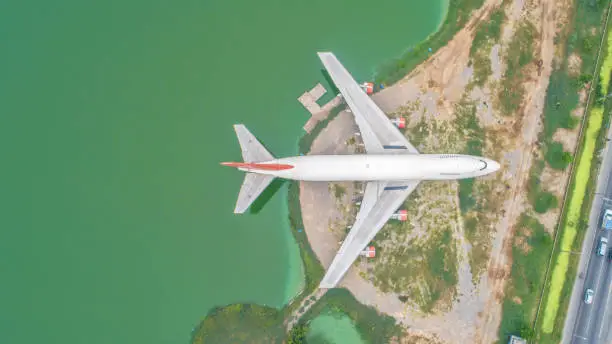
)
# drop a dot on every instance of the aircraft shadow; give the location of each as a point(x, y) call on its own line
point(265, 196)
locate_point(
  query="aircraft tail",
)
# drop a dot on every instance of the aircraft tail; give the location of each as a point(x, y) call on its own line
point(254, 184)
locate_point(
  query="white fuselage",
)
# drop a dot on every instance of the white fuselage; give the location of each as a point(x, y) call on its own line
point(389, 167)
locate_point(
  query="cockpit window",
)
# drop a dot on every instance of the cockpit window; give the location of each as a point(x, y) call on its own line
point(485, 165)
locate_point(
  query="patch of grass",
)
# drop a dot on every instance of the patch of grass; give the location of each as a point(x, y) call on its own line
point(475, 201)
point(474, 134)
point(606, 68)
point(544, 202)
point(424, 270)
point(419, 133)
point(458, 14)
point(466, 197)
point(520, 54)
point(338, 190)
point(561, 99)
point(489, 29)
point(487, 33)
point(241, 323)
point(297, 335)
point(531, 248)
point(556, 157)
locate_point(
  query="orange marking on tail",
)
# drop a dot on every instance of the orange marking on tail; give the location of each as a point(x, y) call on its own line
point(256, 166)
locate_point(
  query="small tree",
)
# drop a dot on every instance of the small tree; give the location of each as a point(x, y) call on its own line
point(298, 334)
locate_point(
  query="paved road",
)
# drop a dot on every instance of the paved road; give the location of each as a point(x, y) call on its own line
point(590, 324)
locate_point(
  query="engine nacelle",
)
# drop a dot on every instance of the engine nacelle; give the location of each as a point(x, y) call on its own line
point(368, 87)
point(369, 252)
point(399, 122)
point(401, 215)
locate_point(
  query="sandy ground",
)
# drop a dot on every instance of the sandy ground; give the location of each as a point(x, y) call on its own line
point(438, 84)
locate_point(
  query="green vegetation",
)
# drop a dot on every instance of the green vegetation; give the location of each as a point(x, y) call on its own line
point(488, 30)
point(520, 54)
point(240, 323)
point(545, 201)
point(297, 335)
point(475, 202)
point(424, 270)
point(487, 33)
point(338, 190)
point(541, 200)
point(580, 193)
point(530, 248)
point(372, 326)
point(556, 157)
point(419, 133)
point(466, 119)
point(457, 16)
point(561, 99)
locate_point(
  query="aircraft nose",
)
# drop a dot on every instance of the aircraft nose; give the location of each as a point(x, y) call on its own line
point(493, 165)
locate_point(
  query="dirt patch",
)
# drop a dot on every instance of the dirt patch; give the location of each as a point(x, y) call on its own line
point(414, 337)
point(554, 180)
point(567, 137)
point(574, 63)
point(496, 65)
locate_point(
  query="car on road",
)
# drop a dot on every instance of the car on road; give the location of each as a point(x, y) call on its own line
point(588, 296)
point(603, 246)
point(606, 223)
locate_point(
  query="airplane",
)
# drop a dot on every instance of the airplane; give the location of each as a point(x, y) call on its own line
point(391, 168)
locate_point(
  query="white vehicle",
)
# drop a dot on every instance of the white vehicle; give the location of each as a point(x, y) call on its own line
point(603, 246)
point(588, 296)
point(392, 168)
point(606, 223)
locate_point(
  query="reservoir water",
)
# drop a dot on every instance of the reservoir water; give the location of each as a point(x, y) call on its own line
point(116, 218)
point(333, 327)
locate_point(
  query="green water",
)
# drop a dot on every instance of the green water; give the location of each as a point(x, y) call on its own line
point(116, 218)
point(333, 328)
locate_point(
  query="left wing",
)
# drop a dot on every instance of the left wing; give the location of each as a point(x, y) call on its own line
point(378, 133)
point(380, 201)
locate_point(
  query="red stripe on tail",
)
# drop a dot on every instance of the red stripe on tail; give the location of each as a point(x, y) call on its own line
point(256, 166)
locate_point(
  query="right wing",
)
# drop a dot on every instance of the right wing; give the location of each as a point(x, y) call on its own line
point(378, 133)
point(380, 201)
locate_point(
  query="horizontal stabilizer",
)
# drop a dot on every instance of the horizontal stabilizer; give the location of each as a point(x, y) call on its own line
point(253, 185)
point(252, 149)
